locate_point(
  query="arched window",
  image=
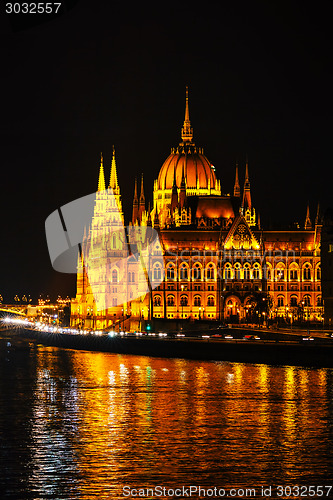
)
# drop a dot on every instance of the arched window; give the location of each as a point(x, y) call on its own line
point(293, 272)
point(183, 300)
point(157, 300)
point(114, 241)
point(256, 271)
point(246, 271)
point(170, 300)
point(196, 272)
point(170, 272)
point(227, 271)
point(319, 301)
point(210, 300)
point(197, 300)
point(306, 272)
point(280, 272)
point(115, 276)
point(157, 272)
point(237, 271)
point(280, 301)
point(307, 301)
point(293, 301)
point(210, 271)
point(183, 272)
point(318, 273)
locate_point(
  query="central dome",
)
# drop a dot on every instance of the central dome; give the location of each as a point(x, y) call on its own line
point(186, 172)
point(189, 161)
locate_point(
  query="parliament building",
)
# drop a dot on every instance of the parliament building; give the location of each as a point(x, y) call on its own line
point(218, 263)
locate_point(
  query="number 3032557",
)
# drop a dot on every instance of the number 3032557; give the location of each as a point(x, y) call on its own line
point(32, 8)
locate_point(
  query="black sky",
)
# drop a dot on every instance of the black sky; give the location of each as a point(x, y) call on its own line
point(107, 73)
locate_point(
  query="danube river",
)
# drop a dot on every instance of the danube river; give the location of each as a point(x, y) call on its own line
point(88, 425)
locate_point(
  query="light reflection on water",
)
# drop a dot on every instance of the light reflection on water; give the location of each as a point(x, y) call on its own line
point(82, 425)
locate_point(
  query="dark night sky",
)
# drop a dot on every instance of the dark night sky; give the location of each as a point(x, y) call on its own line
point(108, 73)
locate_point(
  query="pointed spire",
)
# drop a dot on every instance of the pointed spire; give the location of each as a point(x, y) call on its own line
point(113, 177)
point(142, 202)
point(182, 192)
point(135, 211)
point(101, 178)
point(308, 224)
point(237, 191)
point(246, 191)
point(318, 218)
point(247, 171)
point(174, 195)
point(187, 131)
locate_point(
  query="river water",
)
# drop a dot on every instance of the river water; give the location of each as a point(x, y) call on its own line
point(89, 425)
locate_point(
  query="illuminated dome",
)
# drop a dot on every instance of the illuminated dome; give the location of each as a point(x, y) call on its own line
point(190, 161)
point(187, 162)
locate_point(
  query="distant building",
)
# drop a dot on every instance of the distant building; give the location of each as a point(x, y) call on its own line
point(219, 263)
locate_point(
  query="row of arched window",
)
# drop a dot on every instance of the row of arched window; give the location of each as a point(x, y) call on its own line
point(294, 301)
point(230, 272)
point(246, 272)
point(197, 301)
point(294, 272)
point(196, 273)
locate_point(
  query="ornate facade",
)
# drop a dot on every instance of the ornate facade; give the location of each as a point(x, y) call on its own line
point(219, 263)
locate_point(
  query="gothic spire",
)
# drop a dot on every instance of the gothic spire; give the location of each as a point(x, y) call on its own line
point(246, 190)
point(237, 191)
point(182, 191)
point(187, 131)
point(113, 177)
point(101, 179)
point(135, 212)
point(142, 202)
point(308, 224)
point(174, 195)
point(318, 218)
